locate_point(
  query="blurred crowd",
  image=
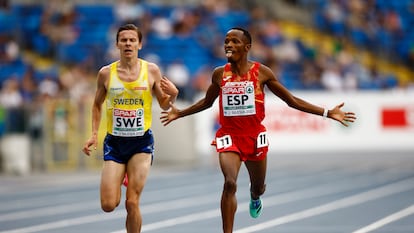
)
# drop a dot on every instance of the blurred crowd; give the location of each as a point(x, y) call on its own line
point(186, 41)
point(382, 26)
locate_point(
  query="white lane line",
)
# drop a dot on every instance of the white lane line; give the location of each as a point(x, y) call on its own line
point(279, 199)
point(54, 209)
point(151, 208)
point(45, 200)
point(175, 204)
point(389, 219)
point(68, 222)
point(370, 195)
point(49, 211)
point(62, 197)
point(183, 203)
point(93, 204)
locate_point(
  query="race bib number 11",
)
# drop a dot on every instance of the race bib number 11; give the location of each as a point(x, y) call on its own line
point(224, 142)
point(262, 140)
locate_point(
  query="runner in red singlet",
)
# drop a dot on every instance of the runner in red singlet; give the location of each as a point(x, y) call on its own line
point(239, 84)
point(242, 112)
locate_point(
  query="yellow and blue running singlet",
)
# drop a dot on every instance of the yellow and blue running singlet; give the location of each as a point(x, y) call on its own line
point(128, 109)
point(129, 104)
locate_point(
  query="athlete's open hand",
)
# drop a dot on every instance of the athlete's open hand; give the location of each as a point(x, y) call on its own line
point(168, 116)
point(343, 117)
point(93, 141)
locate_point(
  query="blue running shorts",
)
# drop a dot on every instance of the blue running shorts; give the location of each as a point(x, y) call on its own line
point(121, 149)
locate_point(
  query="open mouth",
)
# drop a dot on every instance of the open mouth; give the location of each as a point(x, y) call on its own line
point(229, 53)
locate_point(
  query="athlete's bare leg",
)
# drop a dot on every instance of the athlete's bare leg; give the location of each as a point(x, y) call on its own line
point(137, 169)
point(230, 166)
point(111, 178)
point(257, 173)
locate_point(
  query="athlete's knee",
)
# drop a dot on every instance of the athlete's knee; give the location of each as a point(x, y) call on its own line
point(230, 186)
point(257, 190)
point(109, 206)
point(131, 205)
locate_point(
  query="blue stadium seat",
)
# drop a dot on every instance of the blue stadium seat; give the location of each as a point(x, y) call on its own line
point(359, 37)
point(95, 14)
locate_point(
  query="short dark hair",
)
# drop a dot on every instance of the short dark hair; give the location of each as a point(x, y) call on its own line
point(129, 26)
point(245, 33)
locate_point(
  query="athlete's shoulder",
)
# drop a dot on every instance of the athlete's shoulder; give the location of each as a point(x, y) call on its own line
point(266, 73)
point(148, 63)
point(265, 69)
point(152, 67)
point(219, 68)
point(107, 67)
point(105, 70)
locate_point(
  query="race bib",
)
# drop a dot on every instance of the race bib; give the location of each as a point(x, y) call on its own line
point(262, 140)
point(238, 99)
point(128, 123)
point(224, 142)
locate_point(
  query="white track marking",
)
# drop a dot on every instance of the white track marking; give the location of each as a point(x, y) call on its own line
point(317, 191)
point(370, 195)
point(389, 219)
point(270, 201)
point(48, 211)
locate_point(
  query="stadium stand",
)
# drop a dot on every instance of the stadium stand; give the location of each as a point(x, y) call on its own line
point(81, 33)
point(380, 26)
point(334, 52)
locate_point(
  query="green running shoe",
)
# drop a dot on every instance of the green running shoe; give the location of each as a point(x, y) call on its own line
point(255, 207)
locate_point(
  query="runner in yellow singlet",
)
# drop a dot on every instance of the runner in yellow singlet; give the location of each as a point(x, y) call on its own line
point(127, 86)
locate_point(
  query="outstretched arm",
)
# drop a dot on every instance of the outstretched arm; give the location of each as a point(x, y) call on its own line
point(211, 95)
point(292, 101)
point(335, 113)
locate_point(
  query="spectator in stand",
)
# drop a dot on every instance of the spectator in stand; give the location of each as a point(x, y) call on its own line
point(10, 96)
point(49, 87)
point(128, 11)
point(29, 86)
point(12, 100)
point(334, 14)
point(76, 82)
point(179, 74)
point(58, 21)
point(331, 77)
point(311, 76)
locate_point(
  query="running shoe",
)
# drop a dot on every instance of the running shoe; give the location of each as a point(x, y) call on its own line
point(125, 181)
point(255, 207)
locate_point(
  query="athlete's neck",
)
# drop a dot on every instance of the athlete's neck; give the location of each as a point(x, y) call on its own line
point(129, 65)
point(240, 67)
